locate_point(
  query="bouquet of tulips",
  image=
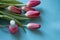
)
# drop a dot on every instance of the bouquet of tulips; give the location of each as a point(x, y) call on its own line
point(12, 10)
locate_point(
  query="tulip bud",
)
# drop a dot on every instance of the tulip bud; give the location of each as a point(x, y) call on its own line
point(15, 9)
point(33, 26)
point(13, 28)
point(32, 14)
point(25, 8)
point(33, 3)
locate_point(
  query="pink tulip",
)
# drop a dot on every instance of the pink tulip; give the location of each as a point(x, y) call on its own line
point(33, 26)
point(25, 8)
point(15, 9)
point(33, 3)
point(13, 30)
point(32, 14)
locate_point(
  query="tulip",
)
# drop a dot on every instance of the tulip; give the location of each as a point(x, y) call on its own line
point(25, 8)
point(33, 26)
point(33, 3)
point(15, 9)
point(13, 28)
point(32, 14)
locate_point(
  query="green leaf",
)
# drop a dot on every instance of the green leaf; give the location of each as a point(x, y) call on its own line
point(14, 16)
point(5, 3)
point(11, 18)
point(7, 0)
point(11, 2)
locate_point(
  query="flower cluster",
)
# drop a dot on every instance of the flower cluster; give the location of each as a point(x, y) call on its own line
point(14, 14)
point(30, 13)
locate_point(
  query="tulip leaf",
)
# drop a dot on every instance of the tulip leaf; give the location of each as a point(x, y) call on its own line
point(11, 18)
point(8, 15)
point(5, 3)
point(7, 0)
point(10, 2)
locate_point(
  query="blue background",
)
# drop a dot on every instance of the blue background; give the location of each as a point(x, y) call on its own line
point(49, 20)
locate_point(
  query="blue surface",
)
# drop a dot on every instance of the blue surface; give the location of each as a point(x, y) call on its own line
point(49, 20)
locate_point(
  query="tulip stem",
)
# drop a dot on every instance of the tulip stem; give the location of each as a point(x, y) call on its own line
point(6, 5)
point(17, 17)
point(2, 26)
point(19, 5)
point(11, 18)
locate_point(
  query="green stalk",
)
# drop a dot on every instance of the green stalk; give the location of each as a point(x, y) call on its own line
point(6, 5)
point(11, 18)
point(4, 16)
point(20, 15)
point(3, 26)
point(3, 5)
point(15, 16)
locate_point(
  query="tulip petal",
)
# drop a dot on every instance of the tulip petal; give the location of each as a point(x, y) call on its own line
point(33, 26)
point(15, 9)
point(33, 3)
point(32, 14)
